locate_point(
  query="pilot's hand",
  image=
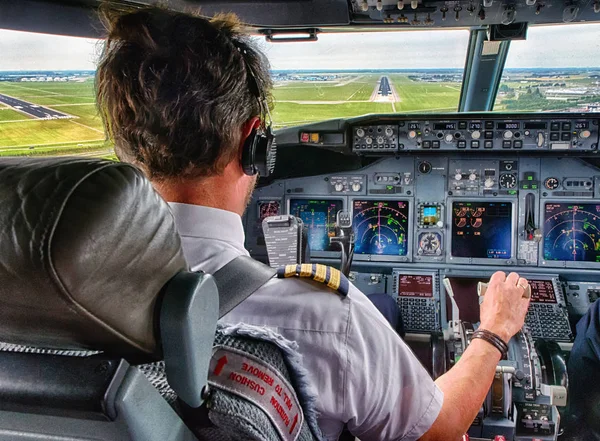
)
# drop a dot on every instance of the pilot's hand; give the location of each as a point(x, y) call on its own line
point(505, 304)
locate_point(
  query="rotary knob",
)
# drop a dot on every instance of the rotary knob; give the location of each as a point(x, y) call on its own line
point(489, 183)
point(457, 177)
point(540, 139)
point(380, 140)
point(472, 177)
point(449, 138)
point(338, 186)
point(389, 132)
point(507, 134)
point(412, 134)
point(369, 140)
point(584, 134)
point(360, 133)
point(476, 134)
point(356, 186)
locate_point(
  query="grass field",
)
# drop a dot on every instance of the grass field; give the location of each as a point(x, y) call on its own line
point(296, 102)
point(11, 115)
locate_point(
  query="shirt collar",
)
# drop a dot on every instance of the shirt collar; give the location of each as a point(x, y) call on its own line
point(208, 223)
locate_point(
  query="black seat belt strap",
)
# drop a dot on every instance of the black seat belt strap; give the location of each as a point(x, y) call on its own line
point(239, 279)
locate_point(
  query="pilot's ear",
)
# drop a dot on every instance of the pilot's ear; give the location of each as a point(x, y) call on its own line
point(250, 125)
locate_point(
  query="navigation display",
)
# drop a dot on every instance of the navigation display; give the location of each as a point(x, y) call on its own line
point(542, 291)
point(319, 216)
point(412, 285)
point(380, 227)
point(572, 232)
point(482, 230)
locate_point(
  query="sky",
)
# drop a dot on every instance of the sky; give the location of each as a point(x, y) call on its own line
point(575, 45)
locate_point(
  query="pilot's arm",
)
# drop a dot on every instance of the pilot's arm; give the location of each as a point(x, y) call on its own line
point(390, 396)
point(466, 385)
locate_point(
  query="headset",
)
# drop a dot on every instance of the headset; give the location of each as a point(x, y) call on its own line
point(260, 149)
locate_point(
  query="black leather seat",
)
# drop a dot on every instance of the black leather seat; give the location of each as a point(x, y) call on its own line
point(90, 260)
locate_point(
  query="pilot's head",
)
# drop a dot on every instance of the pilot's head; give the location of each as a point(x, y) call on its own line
point(178, 96)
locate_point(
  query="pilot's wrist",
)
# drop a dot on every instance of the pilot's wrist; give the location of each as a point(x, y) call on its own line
point(500, 331)
point(493, 339)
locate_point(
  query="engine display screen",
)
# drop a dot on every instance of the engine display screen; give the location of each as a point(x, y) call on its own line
point(412, 285)
point(380, 227)
point(572, 232)
point(542, 291)
point(320, 217)
point(482, 230)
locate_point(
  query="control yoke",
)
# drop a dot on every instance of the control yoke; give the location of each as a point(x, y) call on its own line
point(344, 240)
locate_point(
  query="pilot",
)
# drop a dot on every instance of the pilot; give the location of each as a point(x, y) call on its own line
point(176, 95)
point(584, 369)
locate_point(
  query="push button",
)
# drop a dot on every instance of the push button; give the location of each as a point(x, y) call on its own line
point(488, 144)
point(426, 144)
point(554, 126)
point(462, 144)
point(565, 137)
point(554, 136)
point(489, 124)
point(506, 144)
point(435, 144)
point(474, 144)
point(488, 135)
point(518, 144)
point(566, 126)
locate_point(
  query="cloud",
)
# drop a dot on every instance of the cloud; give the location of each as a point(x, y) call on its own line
point(575, 45)
point(31, 51)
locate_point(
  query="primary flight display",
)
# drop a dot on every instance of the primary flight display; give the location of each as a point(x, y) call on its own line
point(320, 218)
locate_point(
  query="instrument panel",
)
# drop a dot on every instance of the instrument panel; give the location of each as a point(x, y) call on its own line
point(430, 203)
point(552, 133)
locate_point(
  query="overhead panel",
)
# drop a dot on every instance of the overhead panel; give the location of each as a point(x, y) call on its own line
point(470, 13)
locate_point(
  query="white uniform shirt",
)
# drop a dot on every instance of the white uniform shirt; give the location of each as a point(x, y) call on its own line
point(363, 373)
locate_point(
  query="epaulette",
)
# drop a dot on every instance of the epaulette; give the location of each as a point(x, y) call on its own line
point(327, 275)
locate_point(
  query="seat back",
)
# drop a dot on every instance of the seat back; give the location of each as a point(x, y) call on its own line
point(93, 278)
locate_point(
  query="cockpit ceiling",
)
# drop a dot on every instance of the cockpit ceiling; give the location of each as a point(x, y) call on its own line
point(325, 13)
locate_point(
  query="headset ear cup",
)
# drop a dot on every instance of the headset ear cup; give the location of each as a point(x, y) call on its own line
point(249, 153)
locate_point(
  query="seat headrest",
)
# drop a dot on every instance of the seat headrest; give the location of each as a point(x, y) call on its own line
point(86, 246)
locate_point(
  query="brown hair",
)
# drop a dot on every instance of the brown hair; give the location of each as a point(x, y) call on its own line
point(174, 90)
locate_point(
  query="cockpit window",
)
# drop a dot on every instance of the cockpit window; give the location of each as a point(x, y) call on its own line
point(548, 72)
point(355, 73)
point(47, 103)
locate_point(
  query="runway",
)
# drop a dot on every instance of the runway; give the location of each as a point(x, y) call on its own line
point(31, 109)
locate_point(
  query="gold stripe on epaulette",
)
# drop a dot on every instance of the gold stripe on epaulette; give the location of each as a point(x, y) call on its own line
point(321, 273)
point(290, 270)
point(334, 279)
point(306, 270)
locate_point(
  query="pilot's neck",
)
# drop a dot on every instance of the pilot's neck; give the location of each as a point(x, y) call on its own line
point(225, 192)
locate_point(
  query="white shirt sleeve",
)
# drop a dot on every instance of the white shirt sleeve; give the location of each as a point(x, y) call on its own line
point(388, 394)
